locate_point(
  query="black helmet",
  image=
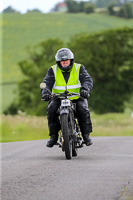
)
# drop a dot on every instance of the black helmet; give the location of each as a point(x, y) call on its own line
point(64, 54)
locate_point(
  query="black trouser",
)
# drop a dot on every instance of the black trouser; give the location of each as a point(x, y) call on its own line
point(82, 112)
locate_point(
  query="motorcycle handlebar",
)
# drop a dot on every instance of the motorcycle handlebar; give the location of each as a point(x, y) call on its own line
point(60, 95)
point(64, 95)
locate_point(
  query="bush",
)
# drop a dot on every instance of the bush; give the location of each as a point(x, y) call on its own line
point(111, 9)
point(126, 11)
point(73, 6)
point(12, 109)
point(89, 8)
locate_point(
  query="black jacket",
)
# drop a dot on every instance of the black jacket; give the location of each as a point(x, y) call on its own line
point(85, 79)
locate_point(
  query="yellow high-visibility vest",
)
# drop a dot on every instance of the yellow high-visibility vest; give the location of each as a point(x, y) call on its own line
point(73, 84)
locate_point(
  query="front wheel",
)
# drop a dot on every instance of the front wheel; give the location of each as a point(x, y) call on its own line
point(74, 150)
point(65, 127)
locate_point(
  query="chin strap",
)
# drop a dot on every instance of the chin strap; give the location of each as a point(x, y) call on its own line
point(69, 70)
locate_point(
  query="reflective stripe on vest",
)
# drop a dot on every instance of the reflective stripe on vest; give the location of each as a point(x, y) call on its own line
point(73, 84)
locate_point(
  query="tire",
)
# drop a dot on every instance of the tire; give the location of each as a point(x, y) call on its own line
point(74, 151)
point(65, 131)
point(74, 148)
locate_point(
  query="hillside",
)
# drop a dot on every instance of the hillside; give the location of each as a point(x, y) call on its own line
point(20, 31)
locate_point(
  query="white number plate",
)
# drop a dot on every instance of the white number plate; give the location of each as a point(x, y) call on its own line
point(65, 102)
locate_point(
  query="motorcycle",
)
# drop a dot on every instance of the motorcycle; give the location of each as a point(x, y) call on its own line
point(70, 139)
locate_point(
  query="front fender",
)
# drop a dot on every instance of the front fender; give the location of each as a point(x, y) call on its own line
point(64, 111)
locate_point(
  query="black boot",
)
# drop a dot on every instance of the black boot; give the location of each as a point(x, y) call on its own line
point(52, 141)
point(87, 140)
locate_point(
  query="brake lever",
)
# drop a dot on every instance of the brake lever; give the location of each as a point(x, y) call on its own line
point(83, 97)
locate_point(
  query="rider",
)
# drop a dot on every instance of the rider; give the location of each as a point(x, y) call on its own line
point(73, 75)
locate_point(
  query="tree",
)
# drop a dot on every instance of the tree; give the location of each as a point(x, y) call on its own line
point(82, 6)
point(105, 3)
point(126, 11)
point(35, 68)
point(9, 9)
point(108, 57)
point(34, 11)
point(111, 9)
point(73, 6)
point(89, 8)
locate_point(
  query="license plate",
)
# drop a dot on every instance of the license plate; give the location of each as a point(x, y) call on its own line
point(65, 102)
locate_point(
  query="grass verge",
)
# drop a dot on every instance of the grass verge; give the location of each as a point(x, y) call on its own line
point(22, 128)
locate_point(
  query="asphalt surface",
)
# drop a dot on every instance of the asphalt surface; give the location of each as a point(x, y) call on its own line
point(103, 171)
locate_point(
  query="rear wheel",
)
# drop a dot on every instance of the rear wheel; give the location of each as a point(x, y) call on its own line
point(65, 126)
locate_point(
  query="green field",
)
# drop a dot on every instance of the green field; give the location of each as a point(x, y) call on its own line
point(20, 31)
point(23, 30)
point(21, 128)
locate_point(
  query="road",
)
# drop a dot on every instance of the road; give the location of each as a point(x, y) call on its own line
point(103, 171)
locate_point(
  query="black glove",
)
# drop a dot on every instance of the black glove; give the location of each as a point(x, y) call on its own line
point(46, 96)
point(84, 93)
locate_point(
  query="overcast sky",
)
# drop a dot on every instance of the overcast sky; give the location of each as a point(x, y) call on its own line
point(24, 5)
